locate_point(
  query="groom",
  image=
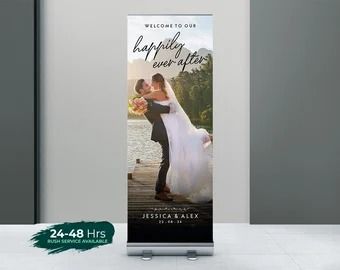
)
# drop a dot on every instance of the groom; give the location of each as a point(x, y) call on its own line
point(159, 135)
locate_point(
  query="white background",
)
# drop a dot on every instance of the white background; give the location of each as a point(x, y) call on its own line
point(83, 106)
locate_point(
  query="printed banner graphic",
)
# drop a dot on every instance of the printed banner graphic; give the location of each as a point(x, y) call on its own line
point(170, 128)
point(79, 236)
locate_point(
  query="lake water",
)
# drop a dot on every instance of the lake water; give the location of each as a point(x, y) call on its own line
point(140, 144)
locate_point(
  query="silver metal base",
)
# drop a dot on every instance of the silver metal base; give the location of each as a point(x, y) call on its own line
point(191, 250)
point(192, 255)
point(147, 255)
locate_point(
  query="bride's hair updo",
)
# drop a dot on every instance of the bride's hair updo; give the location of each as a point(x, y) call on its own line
point(160, 79)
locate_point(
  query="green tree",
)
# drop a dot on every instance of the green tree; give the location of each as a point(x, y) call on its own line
point(194, 92)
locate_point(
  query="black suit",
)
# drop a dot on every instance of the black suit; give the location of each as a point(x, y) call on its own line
point(159, 135)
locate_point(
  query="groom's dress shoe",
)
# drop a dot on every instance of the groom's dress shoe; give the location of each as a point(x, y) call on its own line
point(166, 189)
point(162, 196)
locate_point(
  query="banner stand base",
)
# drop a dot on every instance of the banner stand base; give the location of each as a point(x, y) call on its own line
point(192, 255)
point(147, 255)
point(191, 250)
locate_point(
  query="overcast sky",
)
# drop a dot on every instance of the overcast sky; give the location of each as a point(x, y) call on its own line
point(194, 38)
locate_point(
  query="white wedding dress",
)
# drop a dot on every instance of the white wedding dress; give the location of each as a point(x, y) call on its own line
point(190, 171)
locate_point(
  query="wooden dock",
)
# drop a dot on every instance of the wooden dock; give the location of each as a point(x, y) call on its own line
point(141, 193)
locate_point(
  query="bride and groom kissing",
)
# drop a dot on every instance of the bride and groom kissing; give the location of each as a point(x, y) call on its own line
point(185, 166)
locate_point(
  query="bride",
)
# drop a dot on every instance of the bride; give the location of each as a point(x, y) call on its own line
point(190, 172)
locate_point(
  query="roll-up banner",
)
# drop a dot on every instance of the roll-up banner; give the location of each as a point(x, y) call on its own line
point(170, 134)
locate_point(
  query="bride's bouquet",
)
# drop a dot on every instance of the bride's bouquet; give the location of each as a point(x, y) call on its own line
point(138, 105)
